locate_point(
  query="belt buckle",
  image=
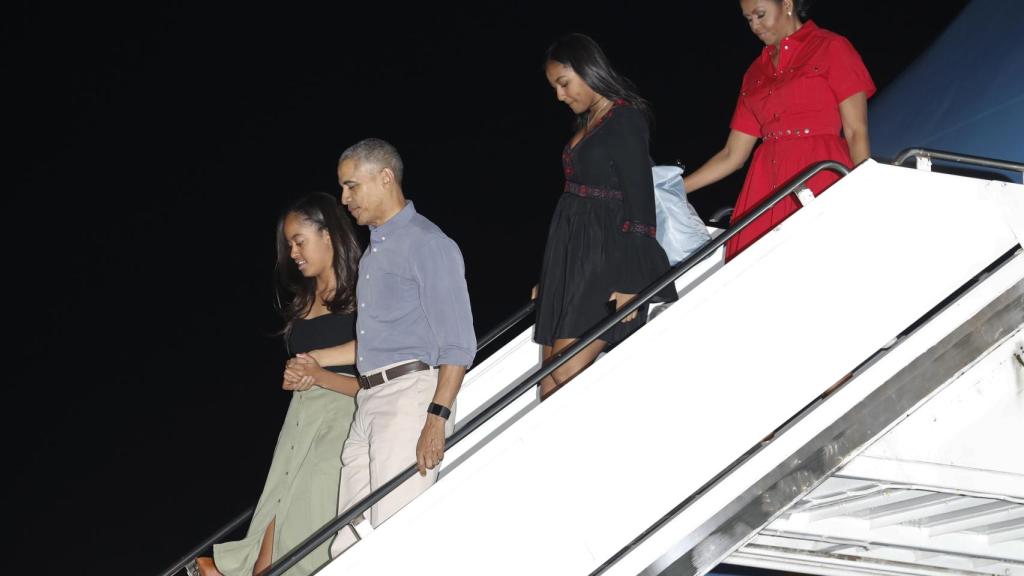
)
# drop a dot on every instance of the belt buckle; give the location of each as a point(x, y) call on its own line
point(366, 383)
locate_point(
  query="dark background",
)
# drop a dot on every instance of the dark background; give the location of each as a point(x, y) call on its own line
point(151, 147)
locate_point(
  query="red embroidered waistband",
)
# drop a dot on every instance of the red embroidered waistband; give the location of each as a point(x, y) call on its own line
point(638, 228)
point(592, 191)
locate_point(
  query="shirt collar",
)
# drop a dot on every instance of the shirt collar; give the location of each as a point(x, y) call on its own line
point(379, 233)
point(791, 44)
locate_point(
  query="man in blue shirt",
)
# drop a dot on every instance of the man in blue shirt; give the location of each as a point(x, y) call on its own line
point(414, 336)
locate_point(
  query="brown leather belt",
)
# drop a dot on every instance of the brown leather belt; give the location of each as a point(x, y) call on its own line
point(378, 378)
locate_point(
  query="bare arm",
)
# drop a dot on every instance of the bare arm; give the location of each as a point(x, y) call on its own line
point(430, 448)
point(729, 159)
point(340, 355)
point(339, 383)
point(854, 113)
point(303, 372)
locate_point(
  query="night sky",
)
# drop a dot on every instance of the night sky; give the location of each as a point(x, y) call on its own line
point(151, 147)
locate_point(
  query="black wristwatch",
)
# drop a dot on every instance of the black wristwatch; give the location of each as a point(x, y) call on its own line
point(438, 410)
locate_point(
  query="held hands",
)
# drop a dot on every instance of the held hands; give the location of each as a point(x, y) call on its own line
point(430, 447)
point(621, 300)
point(300, 373)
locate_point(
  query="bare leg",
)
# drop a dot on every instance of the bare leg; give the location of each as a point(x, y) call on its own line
point(207, 567)
point(547, 385)
point(566, 372)
point(266, 550)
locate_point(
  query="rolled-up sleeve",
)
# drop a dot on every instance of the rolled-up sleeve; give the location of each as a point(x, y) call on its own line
point(441, 275)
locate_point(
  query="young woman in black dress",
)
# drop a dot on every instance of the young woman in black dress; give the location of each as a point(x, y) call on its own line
point(601, 248)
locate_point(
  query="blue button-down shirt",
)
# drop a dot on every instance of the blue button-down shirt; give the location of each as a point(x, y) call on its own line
point(413, 301)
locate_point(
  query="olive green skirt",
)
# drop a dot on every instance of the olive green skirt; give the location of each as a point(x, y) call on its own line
point(301, 491)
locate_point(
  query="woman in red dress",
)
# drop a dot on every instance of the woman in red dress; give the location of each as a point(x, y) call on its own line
point(806, 98)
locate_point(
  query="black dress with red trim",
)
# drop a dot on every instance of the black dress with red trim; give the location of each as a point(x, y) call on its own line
point(602, 234)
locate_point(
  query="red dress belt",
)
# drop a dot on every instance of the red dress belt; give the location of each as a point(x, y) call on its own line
point(797, 132)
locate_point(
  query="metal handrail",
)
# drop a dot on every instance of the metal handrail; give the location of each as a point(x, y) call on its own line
point(220, 533)
point(925, 153)
point(509, 322)
point(328, 530)
point(721, 215)
point(226, 529)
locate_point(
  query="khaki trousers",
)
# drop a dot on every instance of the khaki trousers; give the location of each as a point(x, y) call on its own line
point(382, 442)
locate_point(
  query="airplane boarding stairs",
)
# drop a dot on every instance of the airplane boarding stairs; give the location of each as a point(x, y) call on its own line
point(845, 397)
point(653, 459)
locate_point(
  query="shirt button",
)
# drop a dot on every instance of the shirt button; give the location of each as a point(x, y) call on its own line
point(786, 47)
point(360, 358)
point(374, 249)
point(362, 331)
point(367, 276)
point(362, 305)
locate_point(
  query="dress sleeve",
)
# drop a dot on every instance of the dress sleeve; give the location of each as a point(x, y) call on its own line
point(847, 74)
point(640, 258)
point(743, 119)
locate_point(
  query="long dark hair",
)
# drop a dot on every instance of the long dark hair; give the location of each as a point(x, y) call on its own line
point(324, 212)
point(585, 57)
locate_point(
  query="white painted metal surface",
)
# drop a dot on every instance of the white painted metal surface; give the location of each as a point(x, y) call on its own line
point(566, 485)
point(655, 553)
point(943, 491)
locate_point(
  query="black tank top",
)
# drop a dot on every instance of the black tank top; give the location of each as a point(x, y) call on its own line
point(323, 332)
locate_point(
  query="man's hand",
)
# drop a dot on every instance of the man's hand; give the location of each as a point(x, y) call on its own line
point(430, 447)
point(300, 373)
